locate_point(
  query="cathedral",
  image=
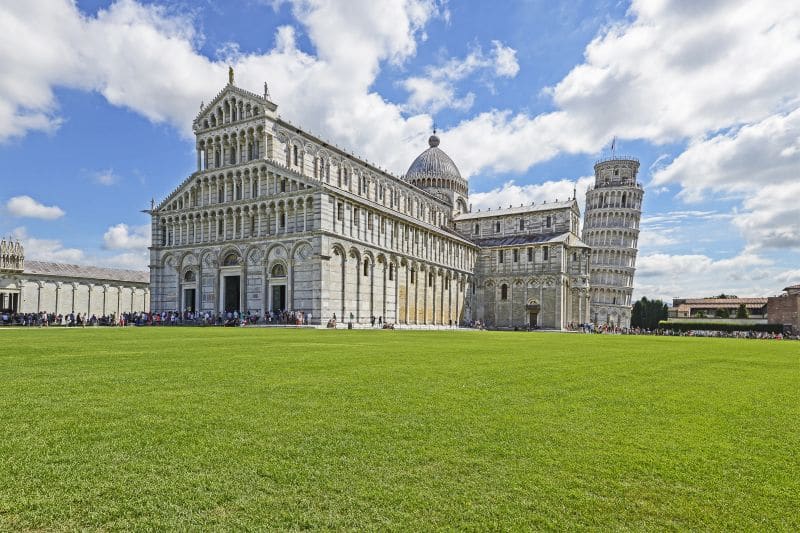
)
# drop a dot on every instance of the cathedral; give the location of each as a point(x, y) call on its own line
point(275, 218)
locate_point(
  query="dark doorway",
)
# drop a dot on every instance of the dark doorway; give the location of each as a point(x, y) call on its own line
point(533, 315)
point(278, 298)
point(231, 293)
point(189, 296)
point(9, 302)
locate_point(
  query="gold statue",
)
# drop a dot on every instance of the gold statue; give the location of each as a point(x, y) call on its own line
point(230, 75)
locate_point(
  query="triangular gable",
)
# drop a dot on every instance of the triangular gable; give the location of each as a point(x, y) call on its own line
point(240, 94)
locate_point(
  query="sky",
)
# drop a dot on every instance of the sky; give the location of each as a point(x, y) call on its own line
point(97, 100)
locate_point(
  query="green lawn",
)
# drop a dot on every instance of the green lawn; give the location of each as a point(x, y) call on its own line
point(252, 428)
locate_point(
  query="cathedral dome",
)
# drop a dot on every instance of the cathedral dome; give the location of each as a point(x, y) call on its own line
point(433, 164)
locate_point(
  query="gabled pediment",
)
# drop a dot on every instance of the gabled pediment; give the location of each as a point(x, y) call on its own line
point(233, 103)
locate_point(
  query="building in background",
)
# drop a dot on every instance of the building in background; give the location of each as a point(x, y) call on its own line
point(277, 219)
point(785, 309)
point(61, 289)
point(611, 229)
point(756, 308)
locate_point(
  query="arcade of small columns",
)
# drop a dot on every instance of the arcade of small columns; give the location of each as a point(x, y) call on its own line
point(233, 148)
point(96, 302)
point(310, 161)
point(397, 288)
point(228, 110)
point(356, 220)
point(249, 221)
point(625, 197)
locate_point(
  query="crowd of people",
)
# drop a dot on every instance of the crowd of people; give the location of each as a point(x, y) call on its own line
point(301, 318)
point(667, 332)
point(167, 318)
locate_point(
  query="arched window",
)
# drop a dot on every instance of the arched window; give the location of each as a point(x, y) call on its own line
point(231, 260)
point(391, 272)
point(413, 276)
point(504, 292)
point(278, 271)
point(497, 227)
point(430, 280)
point(189, 276)
point(366, 267)
point(294, 154)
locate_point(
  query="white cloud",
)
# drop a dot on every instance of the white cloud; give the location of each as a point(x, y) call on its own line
point(106, 177)
point(27, 207)
point(505, 60)
point(54, 250)
point(437, 91)
point(665, 73)
point(46, 249)
point(759, 164)
point(668, 276)
point(123, 237)
point(511, 194)
point(673, 72)
point(435, 95)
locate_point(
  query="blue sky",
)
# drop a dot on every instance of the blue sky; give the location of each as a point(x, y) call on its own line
point(97, 99)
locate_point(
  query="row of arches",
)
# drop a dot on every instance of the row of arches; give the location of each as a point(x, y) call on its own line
point(602, 296)
point(612, 277)
point(604, 219)
point(293, 215)
point(621, 258)
point(372, 226)
point(245, 184)
point(608, 237)
point(233, 148)
point(230, 110)
point(628, 198)
point(442, 183)
point(363, 284)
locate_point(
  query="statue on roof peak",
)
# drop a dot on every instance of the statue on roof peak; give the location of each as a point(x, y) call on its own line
point(230, 75)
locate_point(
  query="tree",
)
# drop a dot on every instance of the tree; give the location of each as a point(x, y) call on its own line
point(742, 312)
point(723, 313)
point(646, 314)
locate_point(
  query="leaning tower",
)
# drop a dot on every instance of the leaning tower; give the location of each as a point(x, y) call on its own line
point(611, 228)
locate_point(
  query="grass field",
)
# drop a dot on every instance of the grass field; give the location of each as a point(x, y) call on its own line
point(232, 429)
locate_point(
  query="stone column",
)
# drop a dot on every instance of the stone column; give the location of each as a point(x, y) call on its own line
point(58, 296)
point(89, 303)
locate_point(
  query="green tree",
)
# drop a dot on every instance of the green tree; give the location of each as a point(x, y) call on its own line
point(742, 312)
point(723, 313)
point(646, 314)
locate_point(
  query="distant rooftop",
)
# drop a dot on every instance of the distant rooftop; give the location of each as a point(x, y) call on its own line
point(522, 240)
point(514, 210)
point(80, 271)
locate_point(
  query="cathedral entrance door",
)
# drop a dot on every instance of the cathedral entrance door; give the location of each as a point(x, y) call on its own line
point(189, 296)
point(533, 309)
point(232, 293)
point(278, 298)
